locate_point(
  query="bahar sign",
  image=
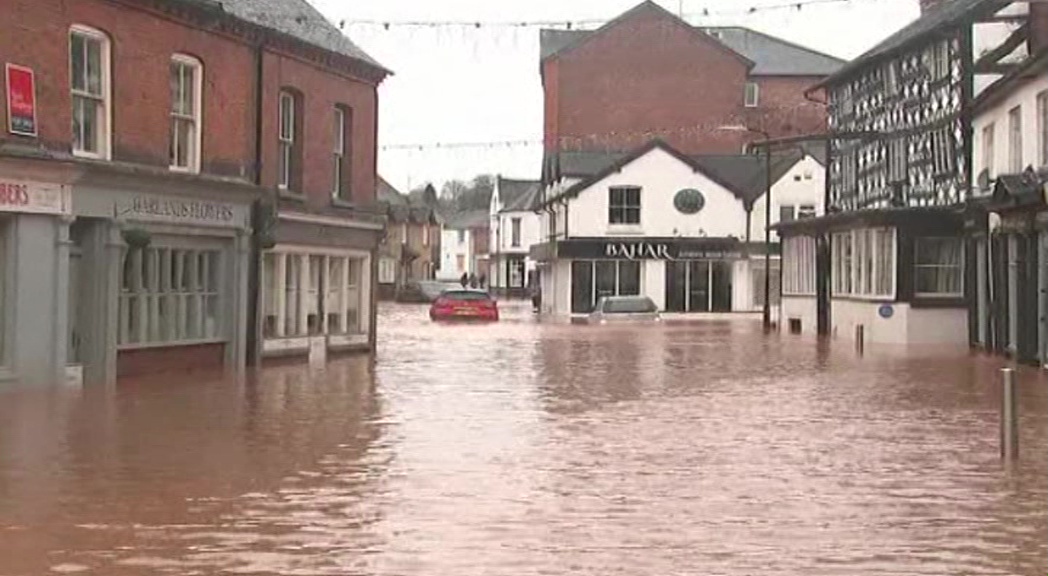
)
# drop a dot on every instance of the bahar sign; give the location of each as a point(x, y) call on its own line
point(651, 249)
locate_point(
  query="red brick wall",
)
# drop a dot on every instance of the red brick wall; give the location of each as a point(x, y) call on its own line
point(652, 76)
point(481, 240)
point(36, 34)
point(322, 91)
point(150, 361)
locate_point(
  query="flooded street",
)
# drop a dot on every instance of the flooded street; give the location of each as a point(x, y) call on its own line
point(525, 448)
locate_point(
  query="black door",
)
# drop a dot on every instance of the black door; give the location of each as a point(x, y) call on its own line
point(699, 286)
point(1026, 347)
point(606, 280)
point(676, 286)
point(629, 278)
point(581, 287)
point(722, 286)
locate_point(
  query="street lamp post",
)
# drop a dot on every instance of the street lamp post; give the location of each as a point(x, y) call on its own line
point(766, 311)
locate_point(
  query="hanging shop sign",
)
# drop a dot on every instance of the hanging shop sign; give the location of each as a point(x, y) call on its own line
point(21, 100)
point(34, 197)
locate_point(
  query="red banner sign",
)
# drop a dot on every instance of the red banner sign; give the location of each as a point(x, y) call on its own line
point(21, 100)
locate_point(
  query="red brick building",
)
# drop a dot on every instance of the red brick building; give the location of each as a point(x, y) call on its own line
point(648, 74)
point(147, 138)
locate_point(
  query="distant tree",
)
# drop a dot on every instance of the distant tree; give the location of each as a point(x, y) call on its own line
point(459, 196)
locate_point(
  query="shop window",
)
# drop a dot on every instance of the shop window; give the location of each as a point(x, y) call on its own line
point(312, 294)
point(799, 265)
point(186, 95)
point(864, 263)
point(89, 64)
point(624, 205)
point(170, 295)
point(757, 289)
point(938, 267)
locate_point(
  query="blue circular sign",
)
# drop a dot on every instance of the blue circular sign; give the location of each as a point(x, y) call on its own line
point(886, 311)
point(689, 201)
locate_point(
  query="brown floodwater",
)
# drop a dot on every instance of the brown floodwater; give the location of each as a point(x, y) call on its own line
point(523, 448)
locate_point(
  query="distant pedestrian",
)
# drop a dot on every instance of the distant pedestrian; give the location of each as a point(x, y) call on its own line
point(464, 280)
point(483, 280)
point(472, 280)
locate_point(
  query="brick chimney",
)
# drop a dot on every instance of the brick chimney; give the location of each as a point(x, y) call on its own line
point(929, 5)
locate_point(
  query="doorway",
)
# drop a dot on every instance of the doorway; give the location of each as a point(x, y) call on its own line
point(698, 286)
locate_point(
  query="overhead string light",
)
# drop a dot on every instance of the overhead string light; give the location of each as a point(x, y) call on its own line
point(786, 118)
point(580, 24)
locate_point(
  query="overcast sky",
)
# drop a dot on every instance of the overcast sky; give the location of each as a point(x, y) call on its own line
point(455, 84)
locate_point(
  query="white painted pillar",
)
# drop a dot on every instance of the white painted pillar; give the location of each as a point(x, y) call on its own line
point(303, 292)
point(324, 289)
point(364, 295)
point(343, 290)
point(280, 287)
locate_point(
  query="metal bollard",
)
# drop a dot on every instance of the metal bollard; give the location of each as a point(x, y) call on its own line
point(1009, 416)
point(860, 338)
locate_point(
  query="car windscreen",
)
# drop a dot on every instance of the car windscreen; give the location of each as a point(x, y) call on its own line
point(465, 295)
point(629, 306)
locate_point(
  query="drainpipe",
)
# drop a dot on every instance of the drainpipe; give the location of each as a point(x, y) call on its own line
point(254, 292)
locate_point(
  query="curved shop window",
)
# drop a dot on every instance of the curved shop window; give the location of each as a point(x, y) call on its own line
point(170, 296)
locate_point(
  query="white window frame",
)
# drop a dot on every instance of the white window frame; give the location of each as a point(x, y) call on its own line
point(319, 280)
point(516, 232)
point(387, 270)
point(338, 153)
point(1042, 127)
point(286, 140)
point(898, 160)
point(105, 132)
point(625, 206)
point(917, 266)
point(752, 96)
point(170, 296)
point(989, 148)
point(862, 275)
point(196, 118)
point(798, 274)
point(1015, 140)
point(425, 234)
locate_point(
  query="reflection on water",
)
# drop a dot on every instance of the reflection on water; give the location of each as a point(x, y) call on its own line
point(526, 448)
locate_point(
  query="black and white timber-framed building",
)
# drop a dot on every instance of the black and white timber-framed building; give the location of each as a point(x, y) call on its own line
point(894, 256)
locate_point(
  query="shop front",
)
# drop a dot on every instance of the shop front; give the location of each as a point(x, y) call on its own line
point(685, 275)
point(317, 286)
point(35, 211)
point(157, 276)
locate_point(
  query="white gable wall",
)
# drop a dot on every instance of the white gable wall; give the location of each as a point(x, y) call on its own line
point(450, 250)
point(660, 175)
point(1025, 96)
point(809, 189)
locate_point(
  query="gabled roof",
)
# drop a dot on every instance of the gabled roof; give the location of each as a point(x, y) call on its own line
point(297, 18)
point(646, 6)
point(388, 194)
point(743, 175)
point(518, 195)
point(770, 56)
point(1019, 190)
point(468, 220)
point(774, 56)
point(943, 15)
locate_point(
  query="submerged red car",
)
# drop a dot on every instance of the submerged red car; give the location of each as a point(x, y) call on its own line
point(464, 305)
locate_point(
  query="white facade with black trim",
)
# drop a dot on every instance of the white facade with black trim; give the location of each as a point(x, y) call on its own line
point(682, 231)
